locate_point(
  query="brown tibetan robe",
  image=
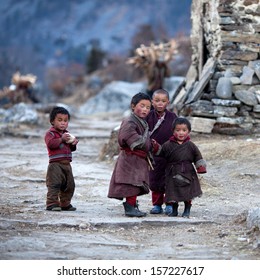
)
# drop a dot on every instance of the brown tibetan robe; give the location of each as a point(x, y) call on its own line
point(131, 172)
point(182, 183)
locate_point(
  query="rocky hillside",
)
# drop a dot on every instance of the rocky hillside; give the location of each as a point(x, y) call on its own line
point(40, 34)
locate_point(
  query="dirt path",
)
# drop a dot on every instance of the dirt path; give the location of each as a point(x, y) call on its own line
point(98, 229)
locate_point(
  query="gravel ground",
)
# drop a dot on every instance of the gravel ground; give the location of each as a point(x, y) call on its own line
point(98, 230)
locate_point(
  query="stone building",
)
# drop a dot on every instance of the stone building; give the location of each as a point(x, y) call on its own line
point(222, 89)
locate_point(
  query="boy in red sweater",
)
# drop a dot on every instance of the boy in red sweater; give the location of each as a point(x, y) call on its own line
point(59, 177)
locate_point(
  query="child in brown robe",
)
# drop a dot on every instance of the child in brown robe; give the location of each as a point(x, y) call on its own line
point(182, 183)
point(130, 177)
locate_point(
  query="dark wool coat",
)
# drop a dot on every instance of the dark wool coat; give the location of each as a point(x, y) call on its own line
point(161, 135)
point(181, 182)
point(131, 172)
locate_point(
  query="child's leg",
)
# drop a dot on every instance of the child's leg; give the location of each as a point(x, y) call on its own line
point(187, 208)
point(52, 197)
point(53, 185)
point(131, 200)
point(67, 193)
point(174, 212)
point(157, 200)
point(131, 208)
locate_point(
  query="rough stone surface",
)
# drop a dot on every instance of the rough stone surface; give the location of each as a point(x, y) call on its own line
point(225, 111)
point(253, 218)
point(207, 72)
point(224, 88)
point(203, 125)
point(237, 121)
point(257, 108)
point(229, 103)
point(247, 97)
point(247, 76)
point(255, 65)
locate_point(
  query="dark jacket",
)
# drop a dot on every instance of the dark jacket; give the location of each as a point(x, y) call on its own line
point(161, 135)
point(182, 183)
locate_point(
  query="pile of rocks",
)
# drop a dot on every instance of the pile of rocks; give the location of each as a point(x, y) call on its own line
point(228, 105)
point(222, 92)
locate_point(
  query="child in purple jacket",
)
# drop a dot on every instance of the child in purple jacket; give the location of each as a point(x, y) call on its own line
point(160, 126)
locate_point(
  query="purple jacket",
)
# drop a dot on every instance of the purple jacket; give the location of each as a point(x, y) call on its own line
point(161, 135)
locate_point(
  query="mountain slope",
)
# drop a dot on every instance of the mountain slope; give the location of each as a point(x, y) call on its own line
point(38, 33)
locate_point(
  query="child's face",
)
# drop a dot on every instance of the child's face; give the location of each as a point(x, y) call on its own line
point(181, 132)
point(160, 102)
point(142, 108)
point(61, 122)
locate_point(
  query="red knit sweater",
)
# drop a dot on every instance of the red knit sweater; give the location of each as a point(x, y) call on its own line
point(58, 150)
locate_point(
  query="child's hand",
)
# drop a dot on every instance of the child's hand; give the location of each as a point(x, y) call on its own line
point(75, 142)
point(65, 137)
point(155, 146)
point(201, 169)
point(201, 166)
point(154, 142)
point(69, 138)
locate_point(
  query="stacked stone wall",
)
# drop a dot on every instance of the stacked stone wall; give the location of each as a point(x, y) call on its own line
point(223, 83)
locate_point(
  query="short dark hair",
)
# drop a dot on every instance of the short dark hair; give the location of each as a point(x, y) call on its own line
point(138, 97)
point(181, 120)
point(58, 110)
point(162, 91)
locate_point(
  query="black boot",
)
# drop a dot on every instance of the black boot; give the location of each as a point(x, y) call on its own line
point(186, 212)
point(133, 211)
point(174, 212)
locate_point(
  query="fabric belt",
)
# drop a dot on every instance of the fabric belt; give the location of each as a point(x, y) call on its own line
point(139, 153)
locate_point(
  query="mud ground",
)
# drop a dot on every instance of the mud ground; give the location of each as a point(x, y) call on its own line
point(98, 230)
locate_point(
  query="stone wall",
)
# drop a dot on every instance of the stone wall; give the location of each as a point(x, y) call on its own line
point(222, 90)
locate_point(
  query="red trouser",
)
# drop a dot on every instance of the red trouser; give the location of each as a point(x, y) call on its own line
point(157, 198)
point(131, 200)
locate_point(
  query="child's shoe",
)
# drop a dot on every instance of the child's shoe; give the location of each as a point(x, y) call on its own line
point(69, 208)
point(157, 209)
point(133, 211)
point(187, 208)
point(168, 209)
point(53, 207)
point(174, 212)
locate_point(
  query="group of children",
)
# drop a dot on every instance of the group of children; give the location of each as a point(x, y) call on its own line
point(156, 155)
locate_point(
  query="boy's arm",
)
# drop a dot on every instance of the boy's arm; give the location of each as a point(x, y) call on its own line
point(51, 141)
point(200, 163)
point(141, 140)
point(128, 136)
point(201, 166)
point(73, 145)
point(156, 147)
